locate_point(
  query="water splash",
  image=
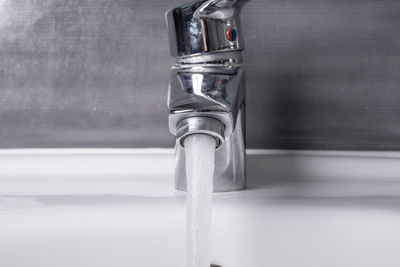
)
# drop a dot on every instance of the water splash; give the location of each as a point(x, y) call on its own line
point(200, 156)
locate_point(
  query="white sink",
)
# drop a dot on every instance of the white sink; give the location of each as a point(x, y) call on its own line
point(118, 208)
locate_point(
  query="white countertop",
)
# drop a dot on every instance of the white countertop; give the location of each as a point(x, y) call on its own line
point(119, 208)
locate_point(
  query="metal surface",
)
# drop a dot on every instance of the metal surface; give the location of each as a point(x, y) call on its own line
point(230, 162)
point(194, 90)
point(201, 125)
point(208, 97)
point(201, 27)
point(93, 73)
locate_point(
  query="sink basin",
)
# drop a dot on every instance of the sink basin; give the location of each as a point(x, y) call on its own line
point(118, 208)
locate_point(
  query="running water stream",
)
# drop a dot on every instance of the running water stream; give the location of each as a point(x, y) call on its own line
point(200, 155)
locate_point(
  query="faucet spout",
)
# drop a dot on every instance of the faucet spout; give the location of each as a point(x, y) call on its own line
point(207, 87)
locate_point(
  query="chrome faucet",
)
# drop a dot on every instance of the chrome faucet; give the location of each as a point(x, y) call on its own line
point(207, 87)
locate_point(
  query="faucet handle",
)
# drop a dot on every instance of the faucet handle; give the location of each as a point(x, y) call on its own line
point(204, 26)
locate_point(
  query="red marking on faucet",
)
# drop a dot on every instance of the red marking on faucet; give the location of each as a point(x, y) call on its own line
point(231, 34)
point(223, 82)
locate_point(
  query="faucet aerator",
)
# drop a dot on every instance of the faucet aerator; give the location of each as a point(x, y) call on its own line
point(201, 125)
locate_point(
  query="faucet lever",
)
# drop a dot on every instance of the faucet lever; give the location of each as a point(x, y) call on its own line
point(204, 26)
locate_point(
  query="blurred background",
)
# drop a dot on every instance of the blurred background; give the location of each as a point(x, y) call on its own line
point(94, 73)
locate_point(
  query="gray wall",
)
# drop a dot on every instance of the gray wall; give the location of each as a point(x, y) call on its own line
point(94, 73)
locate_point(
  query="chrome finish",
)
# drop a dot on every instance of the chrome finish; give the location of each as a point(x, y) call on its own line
point(230, 162)
point(230, 57)
point(200, 125)
point(200, 27)
point(207, 87)
point(198, 90)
